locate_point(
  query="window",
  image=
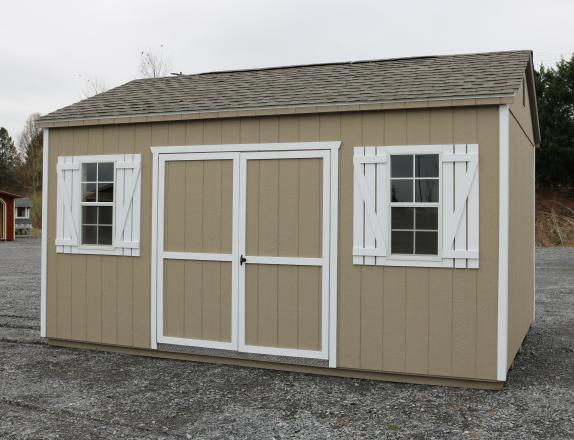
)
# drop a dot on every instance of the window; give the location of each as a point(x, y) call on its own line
point(21, 212)
point(414, 204)
point(97, 203)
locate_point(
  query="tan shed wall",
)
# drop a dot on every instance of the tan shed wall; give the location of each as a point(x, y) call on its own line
point(521, 236)
point(521, 110)
point(440, 322)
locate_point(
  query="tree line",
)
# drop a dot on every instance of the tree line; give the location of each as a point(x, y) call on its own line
point(555, 96)
point(21, 163)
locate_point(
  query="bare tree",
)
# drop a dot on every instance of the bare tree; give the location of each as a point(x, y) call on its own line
point(30, 145)
point(154, 64)
point(93, 86)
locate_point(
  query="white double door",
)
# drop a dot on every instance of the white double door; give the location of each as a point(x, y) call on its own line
point(243, 251)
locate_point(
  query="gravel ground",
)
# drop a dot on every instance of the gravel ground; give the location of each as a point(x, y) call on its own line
point(49, 392)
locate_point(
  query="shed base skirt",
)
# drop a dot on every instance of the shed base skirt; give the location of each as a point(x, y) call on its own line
point(274, 365)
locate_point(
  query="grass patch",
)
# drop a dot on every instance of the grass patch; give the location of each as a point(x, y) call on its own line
point(554, 218)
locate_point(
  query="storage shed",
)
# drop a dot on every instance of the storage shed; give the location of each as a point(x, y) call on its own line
point(22, 211)
point(369, 219)
point(7, 225)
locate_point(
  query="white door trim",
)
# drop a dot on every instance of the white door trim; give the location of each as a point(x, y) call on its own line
point(333, 147)
point(161, 254)
point(324, 261)
point(278, 146)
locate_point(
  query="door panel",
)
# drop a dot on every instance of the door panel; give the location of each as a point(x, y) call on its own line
point(284, 207)
point(197, 300)
point(199, 206)
point(284, 278)
point(197, 242)
point(283, 306)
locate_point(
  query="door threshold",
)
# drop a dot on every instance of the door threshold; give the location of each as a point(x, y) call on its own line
point(241, 355)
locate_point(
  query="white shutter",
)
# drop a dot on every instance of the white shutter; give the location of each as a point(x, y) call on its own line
point(127, 204)
point(370, 199)
point(460, 219)
point(67, 204)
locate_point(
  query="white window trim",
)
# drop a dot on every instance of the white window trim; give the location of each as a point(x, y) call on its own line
point(81, 245)
point(91, 249)
point(76, 202)
point(26, 212)
point(415, 259)
point(366, 254)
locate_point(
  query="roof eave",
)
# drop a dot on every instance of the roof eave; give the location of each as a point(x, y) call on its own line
point(533, 100)
point(284, 110)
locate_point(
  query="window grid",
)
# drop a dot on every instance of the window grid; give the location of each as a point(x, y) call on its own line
point(414, 204)
point(103, 229)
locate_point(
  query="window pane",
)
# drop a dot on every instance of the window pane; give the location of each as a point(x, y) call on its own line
point(106, 215)
point(89, 215)
point(89, 172)
point(426, 218)
point(402, 218)
point(426, 191)
point(426, 243)
point(105, 192)
point(401, 190)
point(426, 165)
point(89, 234)
point(105, 235)
point(401, 242)
point(106, 172)
point(89, 192)
point(401, 165)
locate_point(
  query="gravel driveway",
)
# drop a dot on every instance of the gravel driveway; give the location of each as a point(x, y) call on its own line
point(48, 392)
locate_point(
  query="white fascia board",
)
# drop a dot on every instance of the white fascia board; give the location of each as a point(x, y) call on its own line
point(44, 261)
point(503, 240)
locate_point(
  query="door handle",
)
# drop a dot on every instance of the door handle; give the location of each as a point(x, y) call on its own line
point(242, 260)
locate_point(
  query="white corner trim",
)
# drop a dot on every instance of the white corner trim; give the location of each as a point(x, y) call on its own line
point(503, 238)
point(154, 226)
point(44, 263)
point(333, 255)
point(221, 148)
point(533, 235)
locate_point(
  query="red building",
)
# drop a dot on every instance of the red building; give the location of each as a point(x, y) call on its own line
point(7, 215)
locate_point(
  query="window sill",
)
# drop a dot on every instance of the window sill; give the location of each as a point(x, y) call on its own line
point(395, 261)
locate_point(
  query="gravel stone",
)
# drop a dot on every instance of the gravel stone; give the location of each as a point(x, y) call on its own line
point(56, 393)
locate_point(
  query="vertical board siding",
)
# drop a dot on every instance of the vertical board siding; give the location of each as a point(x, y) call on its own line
point(465, 130)
point(487, 275)
point(283, 306)
point(425, 321)
point(372, 285)
point(521, 239)
point(349, 322)
point(125, 314)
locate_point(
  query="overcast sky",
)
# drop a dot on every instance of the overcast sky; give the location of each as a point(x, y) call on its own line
point(49, 48)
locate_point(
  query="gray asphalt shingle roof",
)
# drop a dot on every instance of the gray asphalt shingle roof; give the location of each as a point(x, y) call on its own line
point(23, 203)
point(404, 79)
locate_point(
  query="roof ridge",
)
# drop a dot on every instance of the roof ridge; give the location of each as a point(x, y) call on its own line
point(338, 63)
